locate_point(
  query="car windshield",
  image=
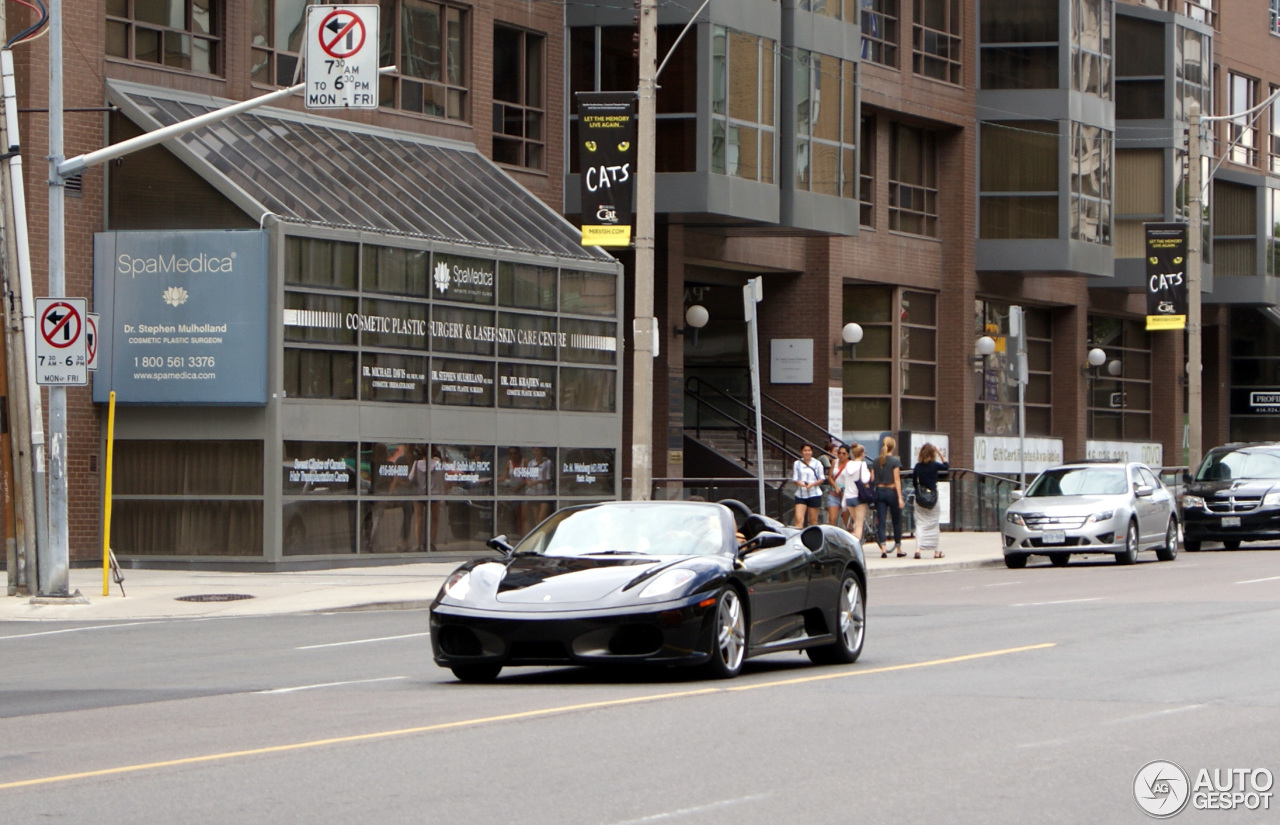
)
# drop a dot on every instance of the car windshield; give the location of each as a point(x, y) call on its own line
point(1224, 465)
point(1079, 481)
point(676, 529)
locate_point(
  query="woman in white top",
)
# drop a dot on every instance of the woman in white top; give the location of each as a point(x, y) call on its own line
point(808, 474)
point(856, 471)
point(835, 499)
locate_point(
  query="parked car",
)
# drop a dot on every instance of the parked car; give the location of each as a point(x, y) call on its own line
point(1234, 496)
point(1114, 507)
point(659, 583)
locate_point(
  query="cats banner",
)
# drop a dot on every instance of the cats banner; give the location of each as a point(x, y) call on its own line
point(607, 152)
point(1166, 275)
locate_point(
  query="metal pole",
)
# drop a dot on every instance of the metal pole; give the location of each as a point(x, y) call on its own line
point(645, 327)
point(54, 575)
point(1018, 328)
point(1195, 235)
point(30, 416)
point(752, 294)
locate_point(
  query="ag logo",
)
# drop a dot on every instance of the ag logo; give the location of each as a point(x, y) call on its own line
point(1161, 789)
point(590, 145)
point(442, 277)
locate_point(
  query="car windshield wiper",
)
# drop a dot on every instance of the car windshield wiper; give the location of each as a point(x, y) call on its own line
point(617, 553)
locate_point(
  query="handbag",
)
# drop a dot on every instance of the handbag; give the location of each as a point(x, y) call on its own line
point(866, 493)
point(927, 497)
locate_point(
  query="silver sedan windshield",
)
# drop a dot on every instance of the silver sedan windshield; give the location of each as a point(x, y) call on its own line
point(1080, 481)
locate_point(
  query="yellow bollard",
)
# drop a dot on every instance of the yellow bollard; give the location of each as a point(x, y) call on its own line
point(106, 510)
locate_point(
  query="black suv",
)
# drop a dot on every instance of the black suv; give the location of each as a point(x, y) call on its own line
point(1233, 497)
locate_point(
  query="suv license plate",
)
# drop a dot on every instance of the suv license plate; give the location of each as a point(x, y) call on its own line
point(1230, 521)
point(1060, 537)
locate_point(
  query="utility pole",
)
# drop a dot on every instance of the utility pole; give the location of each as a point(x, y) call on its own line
point(645, 326)
point(1195, 240)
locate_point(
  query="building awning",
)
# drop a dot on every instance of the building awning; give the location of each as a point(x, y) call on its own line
point(320, 171)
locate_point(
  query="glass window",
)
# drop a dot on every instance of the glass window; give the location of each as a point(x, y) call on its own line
point(193, 527)
point(1018, 157)
point(320, 318)
point(588, 390)
point(526, 386)
point(460, 383)
point(388, 376)
point(826, 120)
point(387, 323)
point(314, 373)
point(867, 174)
point(1273, 138)
point(587, 472)
point(743, 71)
point(465, 470)
point(1242, 130)
point(395, 270)
point(1091, 48)
point(527, 336)
point(996, 411)
point(1140, 69)
point(277, 31)
point(526, 286)
point(1019, 44)
point(937, 45)
point(519, 110)
point(188, 468)
point(320, 263)
point(462, 331)
point(1119, 392)
point(427, 42)
point(913, 184)
point(1274, 20)
point(318, 527)
point(459, 278)
point(320, 468)
point(589, 342)
point(880, 31)
point(177, 34)
point(588, 293)
point(1090, 184)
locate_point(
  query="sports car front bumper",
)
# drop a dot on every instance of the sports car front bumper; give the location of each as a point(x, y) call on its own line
point(673, 633)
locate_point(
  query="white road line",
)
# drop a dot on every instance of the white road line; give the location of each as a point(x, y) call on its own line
point(1049, 744)
point(1255, 581)
point(76, 630)
point(695, 810)
point(363, 641)
point(1154, 714)
point(1001, 584)
point(1064, 601)
point(331, 684)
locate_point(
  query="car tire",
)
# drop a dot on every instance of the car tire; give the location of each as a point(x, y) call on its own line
point(1015, 561)
point(1231, 544)
point(851, 628)
point(1130, 554)
point(1059, 559)
point(1169, 551)
point(1191, 545)
point(728, 635)
point(477, 673)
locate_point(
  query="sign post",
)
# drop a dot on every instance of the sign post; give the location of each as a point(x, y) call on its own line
point(342, 57)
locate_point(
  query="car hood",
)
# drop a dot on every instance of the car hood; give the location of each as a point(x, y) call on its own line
point(561, 579)
point(1252, 487)
point(1067, 505)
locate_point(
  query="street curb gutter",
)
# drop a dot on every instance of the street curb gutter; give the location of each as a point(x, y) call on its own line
point(946, 567)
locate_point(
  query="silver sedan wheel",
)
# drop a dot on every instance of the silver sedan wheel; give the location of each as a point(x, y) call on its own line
point(731, 635)
point(853, 614)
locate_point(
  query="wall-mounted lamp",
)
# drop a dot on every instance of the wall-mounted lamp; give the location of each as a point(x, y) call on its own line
point(1096, 358)
point(850, 335)
point(1114, 367)
point(984, 346)
point(695, 318)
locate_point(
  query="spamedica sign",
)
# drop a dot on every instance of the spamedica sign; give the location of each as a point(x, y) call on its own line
point(184, 317)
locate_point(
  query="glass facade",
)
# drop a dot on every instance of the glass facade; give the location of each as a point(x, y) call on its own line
point(743, 137)
point(1255, 373)
point(899, 329)
point(1019, 44)
point(1091, 47)
point(996, 409)
point(1119, 392)
point(1018, 180)
point(826, 124)
point(1091, 149)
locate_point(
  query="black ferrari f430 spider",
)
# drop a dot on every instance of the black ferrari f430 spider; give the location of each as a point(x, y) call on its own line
point(661, 583)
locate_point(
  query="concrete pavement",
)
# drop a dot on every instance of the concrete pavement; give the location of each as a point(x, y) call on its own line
point(165, 594)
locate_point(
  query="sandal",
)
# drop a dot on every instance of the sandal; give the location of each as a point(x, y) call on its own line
point(938, 554)
point(917, 554)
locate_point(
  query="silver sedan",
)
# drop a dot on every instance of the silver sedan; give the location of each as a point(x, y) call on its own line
point(1119, 508)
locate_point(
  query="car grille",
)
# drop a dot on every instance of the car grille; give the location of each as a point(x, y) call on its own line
point(1040, 521)
point(1233, 504)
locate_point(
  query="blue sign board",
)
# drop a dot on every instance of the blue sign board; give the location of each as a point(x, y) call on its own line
point(183, 317)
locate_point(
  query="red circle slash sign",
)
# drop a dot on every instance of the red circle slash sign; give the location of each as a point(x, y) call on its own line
point(60, 321)
point(341, 34)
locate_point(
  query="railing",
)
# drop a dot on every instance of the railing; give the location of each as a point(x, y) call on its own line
point(728, 413)
point(815, 432)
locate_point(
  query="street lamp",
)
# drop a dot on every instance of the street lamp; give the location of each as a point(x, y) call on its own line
point(695, 318)
point(851, 335)
point(1096, 358)
point(983, 347)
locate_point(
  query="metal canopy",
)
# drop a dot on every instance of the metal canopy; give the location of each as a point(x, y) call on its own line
point(325, 172)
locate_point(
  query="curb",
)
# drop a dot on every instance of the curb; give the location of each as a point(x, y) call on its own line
point(912, 570)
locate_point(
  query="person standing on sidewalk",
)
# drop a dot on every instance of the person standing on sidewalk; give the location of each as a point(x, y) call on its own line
point(928, 465)
point(858, 472)
point(888, 473)
point(807, 473)
point(837, 479)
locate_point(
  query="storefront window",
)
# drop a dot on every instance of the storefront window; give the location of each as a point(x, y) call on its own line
point(589, 342)
point(584, 390)
point(996, 411)
point(588, 293)
point(461, 331)
point(320, 263)
point(868, 379)
point(461, 279)
point(527, 336)
point(320, 468)
point(395, 270)
point(587, 472)
point(1119, 399)
point(398, 324)
point(459, 383)
point(313, 373)
point(526, 386)
point(319, 318)
point(526, 286)
point(919, 359)
point(388, 376)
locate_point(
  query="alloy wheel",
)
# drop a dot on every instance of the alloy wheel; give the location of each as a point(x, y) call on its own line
point(731, 636)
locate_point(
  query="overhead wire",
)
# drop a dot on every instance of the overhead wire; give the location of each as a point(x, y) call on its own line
point(32, 31)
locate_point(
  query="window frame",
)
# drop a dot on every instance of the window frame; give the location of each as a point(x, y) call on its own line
point(532, 151)
point(216, 38)
point(1242, 134)
point(879, 23)
point(948, 46)
point(903, 194)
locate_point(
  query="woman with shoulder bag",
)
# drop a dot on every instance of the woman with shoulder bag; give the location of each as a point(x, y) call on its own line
point(928, 465)
point(888, 474)
point(836, 478)
point(858, 492)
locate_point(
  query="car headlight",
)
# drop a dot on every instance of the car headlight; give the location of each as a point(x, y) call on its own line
point(1015, 518)
point(666, 582)
point(1192, 503)
point(1105, 515)
point(458, 585)
point(1271, 499)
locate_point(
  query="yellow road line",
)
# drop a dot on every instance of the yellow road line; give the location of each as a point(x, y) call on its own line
point(506, 717)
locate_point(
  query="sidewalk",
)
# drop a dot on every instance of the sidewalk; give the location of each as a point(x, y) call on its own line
point(155, 594)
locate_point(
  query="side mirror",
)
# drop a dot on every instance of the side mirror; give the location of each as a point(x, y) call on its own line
point(1143, 490)
point(762, 541)
point(1186, 477)
point(499, 543)
point(1016, 495)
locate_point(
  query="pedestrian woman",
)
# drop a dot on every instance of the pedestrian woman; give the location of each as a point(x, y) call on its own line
point(808, 475)
point(854, 508)
point(835, 476)
point(888, 473)
point(928, 465)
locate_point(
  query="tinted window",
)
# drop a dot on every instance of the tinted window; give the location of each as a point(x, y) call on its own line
point(1229, 464)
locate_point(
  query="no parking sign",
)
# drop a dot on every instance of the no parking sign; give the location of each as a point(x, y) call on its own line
point(61, 358)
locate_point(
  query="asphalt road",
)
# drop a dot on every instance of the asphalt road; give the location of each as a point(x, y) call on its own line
point(983, 696)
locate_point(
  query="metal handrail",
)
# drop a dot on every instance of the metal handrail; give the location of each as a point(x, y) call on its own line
point(745, 428)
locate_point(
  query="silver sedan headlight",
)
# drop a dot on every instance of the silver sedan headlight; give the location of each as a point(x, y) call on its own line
point(1015, 518)
point(1271, 499)
point(1105, 515)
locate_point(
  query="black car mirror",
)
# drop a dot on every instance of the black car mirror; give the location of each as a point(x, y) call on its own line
point(1186, 477)
point(499, 543)
point(812, 538)
point(762, 541)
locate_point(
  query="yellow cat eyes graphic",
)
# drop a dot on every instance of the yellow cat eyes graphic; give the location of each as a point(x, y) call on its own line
point(590, 145)
point(624, 146)
point(1154, 260)
point(1177, 260)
